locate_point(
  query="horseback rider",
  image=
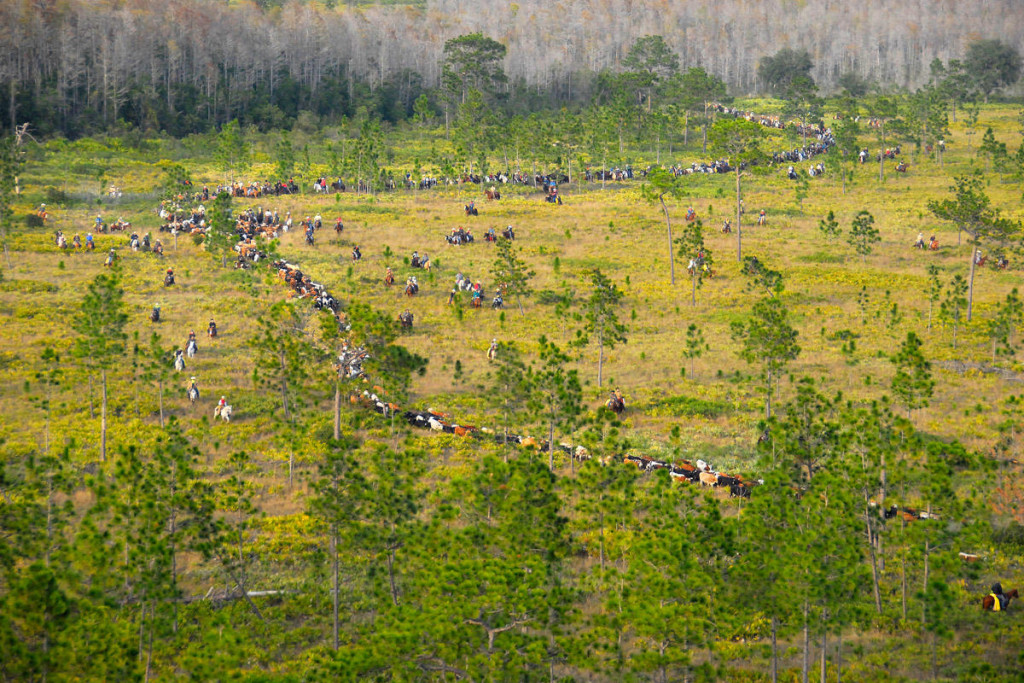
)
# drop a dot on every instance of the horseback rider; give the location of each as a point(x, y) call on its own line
point(169, 277)
point(415, 261)
point(193, 385)
point(389, 276)
point(726, 225)
point(356, 254)
point(919, 244)
point(492, 351)
point(155, 314)
point(89, 244)
point(220, 405)
point(451, 296)
point(76, 241)
point(999, 599)
point(211, 329)
point(762, 217)
point(933, 244)
point(158, 248)
point(111, 257)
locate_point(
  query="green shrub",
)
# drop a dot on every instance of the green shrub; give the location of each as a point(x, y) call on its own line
point(1011, 535)
point(34, 221)
point(688, 406)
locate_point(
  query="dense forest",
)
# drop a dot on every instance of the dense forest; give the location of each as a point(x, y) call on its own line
point(185, 65)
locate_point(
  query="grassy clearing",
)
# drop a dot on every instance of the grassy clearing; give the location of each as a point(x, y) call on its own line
point(712, 414)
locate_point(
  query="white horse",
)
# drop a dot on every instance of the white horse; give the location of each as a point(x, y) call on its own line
point(193, 394)
point(179, 362)
point(191, 348)
point(224, 413)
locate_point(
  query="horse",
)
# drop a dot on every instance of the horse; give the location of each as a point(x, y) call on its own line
point(191, 348)
point(193, 394)
point(389, 279)
point(471, 210)
point(988, 602)
point(224, 412)
point(179, 362)
point(411, 289)
point(405, 319)
point(616, 404)
point(492, 193)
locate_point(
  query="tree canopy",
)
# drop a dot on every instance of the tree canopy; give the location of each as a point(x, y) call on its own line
point(991, 65)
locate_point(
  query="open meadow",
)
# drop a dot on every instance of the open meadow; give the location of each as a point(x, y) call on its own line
point(462, 558)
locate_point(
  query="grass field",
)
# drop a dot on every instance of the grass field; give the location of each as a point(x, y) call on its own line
point(714, 414)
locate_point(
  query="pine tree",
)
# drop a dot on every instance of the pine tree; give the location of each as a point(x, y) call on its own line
point(768, 340)
point(738, 140)
point(863, 234)
point(602, 321)
point(934, 290)
point(557, 395)
point(100, 325)
point(760, 278)
point(698, 256)
point(829, 226)
point(658, 185)
point(912, 384)
point(281, 359)
point(509, 387)
point(1003, 325)
point(953, 305)
point(971, 210)
point(695, 345)
point(340, 489)
point(232, 151)
point(221, 237)
point(511, 274)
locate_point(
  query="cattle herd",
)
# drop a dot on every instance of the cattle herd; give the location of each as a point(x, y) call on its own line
point(253, 223)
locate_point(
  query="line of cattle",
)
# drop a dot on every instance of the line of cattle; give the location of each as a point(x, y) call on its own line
point(698, 472)
point(684, 470)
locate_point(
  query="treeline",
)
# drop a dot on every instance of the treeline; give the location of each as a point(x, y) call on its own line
point(185, 66)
